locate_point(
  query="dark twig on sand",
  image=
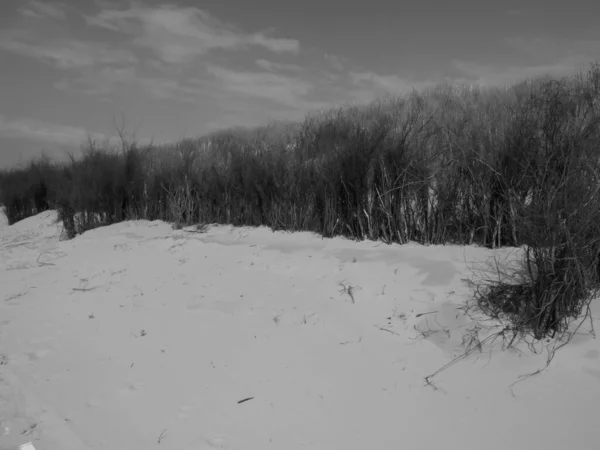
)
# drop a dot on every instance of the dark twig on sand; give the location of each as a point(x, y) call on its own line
point(388, 331)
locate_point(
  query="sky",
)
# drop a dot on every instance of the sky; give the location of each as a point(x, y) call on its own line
point(172, 69)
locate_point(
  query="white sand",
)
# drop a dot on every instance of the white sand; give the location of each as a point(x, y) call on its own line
point(237, 313)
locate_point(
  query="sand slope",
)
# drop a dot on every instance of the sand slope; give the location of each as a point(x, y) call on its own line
point(135, 336)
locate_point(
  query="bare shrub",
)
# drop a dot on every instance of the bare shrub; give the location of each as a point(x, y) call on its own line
point(560, 224)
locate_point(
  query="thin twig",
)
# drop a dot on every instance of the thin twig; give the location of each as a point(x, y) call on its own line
point(86, 289)
point(389, 331)
point(462, 356)
point(20, 294)
point(423, 314)
point(161, 436)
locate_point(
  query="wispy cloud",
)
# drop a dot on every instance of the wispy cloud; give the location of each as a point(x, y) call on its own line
point(163, 88)
point(337, 62)
point(285, 90)
point(44, 132)
point(491, 75)
point(545, 56)
point(102, 82)
point(109, 81)
point(368, 86)
point(274, 66)
point(389, 83)
point(293, 93)
point(45, 10)
point(63, 53)
point(181, 34)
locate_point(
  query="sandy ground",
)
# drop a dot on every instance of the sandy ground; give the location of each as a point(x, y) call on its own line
point(135, 336)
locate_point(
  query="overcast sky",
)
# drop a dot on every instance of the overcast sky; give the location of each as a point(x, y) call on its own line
point(182, 68)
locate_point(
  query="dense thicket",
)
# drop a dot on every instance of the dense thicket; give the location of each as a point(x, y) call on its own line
point(467, 165)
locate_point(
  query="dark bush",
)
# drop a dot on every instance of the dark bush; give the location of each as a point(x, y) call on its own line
point(28, 190)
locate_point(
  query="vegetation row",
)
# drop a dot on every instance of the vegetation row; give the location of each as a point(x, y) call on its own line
point(515, 166)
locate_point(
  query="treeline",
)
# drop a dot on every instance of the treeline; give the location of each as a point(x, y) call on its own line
point(465, 165)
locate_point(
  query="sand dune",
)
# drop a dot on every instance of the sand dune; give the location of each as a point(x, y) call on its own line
point(135, 336)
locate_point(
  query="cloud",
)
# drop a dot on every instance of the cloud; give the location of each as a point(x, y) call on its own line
point(337, 62)
point(162, 88)
point(181, 34)
point(358, 85)
point(112, 80)
point(273, 66)
point(542, 56)
point(44, 132)
point(290, 95)
point(98, 82)
point(490, 75)
point(274, 44)
point(368, 86)
point(282, 89)
point(389, 83)
point(39, 10)
point(63, 54)
point(237, 118)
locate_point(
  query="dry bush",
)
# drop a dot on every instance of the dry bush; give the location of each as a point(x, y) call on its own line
point(560, 222)
point(28, 190)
